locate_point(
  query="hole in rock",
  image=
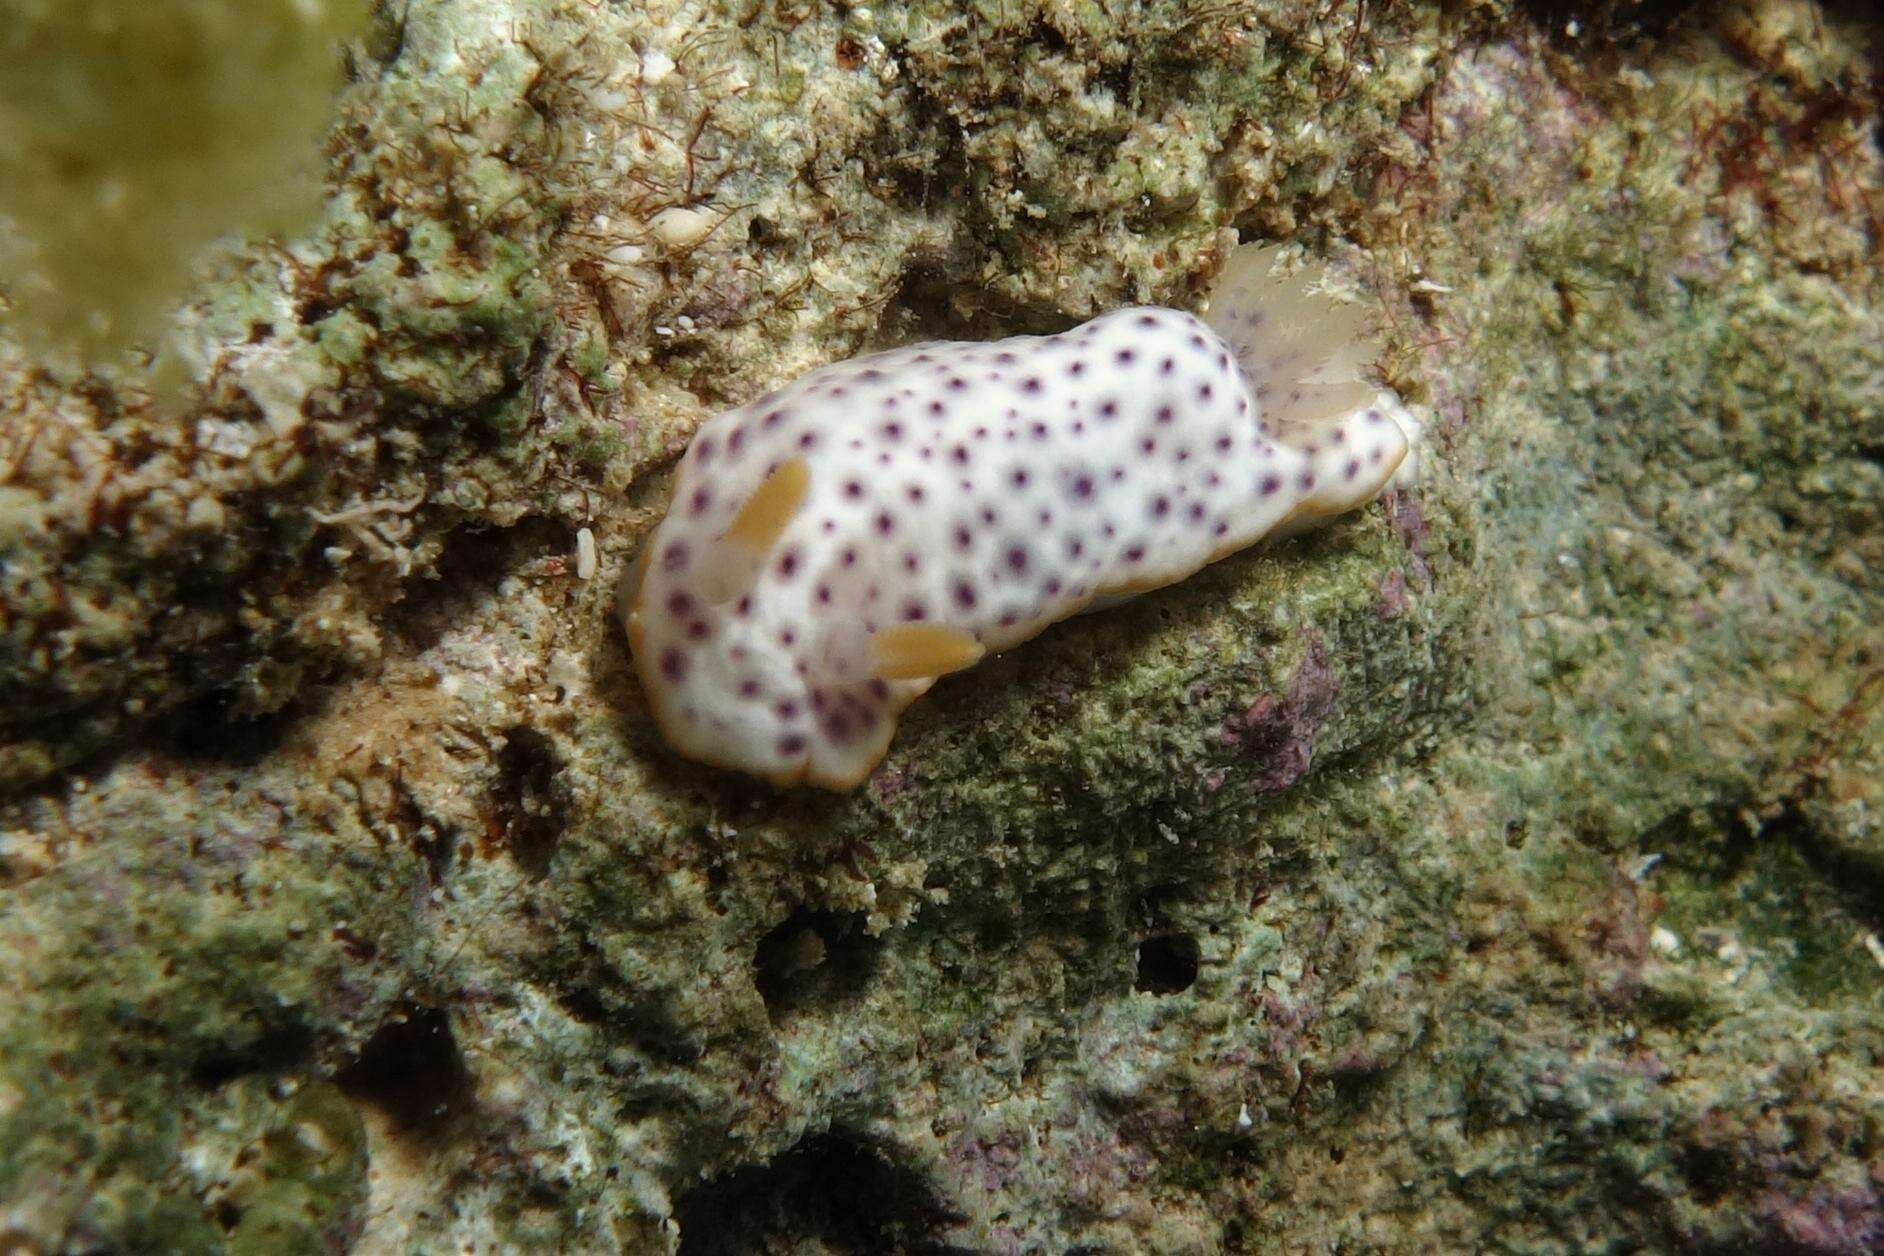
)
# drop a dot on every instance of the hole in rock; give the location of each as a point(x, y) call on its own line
point(828, 1194)
point(275, 1050)
point(473, 563)
point(411, 1070)
point(1167, 963)
point(814, 960)
point(531, 806)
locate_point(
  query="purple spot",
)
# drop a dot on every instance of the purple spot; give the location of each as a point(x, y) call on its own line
point(837, 726)
point(937, 409)
point(1224, 443)
point(701, 499)
point(1082, 487)
point(749, 689)
point(892, 431)
point(1165, 414)
point(962, 538)
point(1019, 477)
point(673, 664)
point(1375, 456)
point(1197, 512)
point(885, 524)
point(675, 558)
point(771, 420)
point(1017, 559)
point(1306, 481)
point(788, 637)
point(1051, 588)
point(1353, 468)
point(1124, 357)
point(698, 630)
point(853, 489)
point(1031, 384)
point(913, 611)
point(787, 710)
point(1148, 445)
point(1134, 552)
point(807, 440)
point(1076, 367)
point(957, 384)
point(1005, 359)
point(743, 606)
point(703, 450)
point(964, 595)
point(679, 603)
point(735, 440)
point(1220, 529)
point(1167, 366)
point(1269, 485)
point(960, 455)
point(1147, 320)
point(1205, 392)
point(788, 564)
point(989, 517)
point(1075, 547)
point(1108, 409)
point(1039, 431)
point(824, 595)
point(879, 690)
point(791, 745)
point(848, 558)
point(911, 563)
point(1160, 507)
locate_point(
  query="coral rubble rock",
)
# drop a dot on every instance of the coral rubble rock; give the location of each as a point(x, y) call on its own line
point(350, 900)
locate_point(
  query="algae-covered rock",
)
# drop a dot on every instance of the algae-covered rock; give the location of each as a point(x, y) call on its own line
point(1498, 869)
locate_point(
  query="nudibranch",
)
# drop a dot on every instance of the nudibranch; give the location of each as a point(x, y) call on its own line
point(836, 546)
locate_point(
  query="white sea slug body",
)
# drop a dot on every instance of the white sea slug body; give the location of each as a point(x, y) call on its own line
point(836, 546)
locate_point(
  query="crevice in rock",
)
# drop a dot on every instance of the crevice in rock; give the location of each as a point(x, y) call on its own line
point(475, 560)
point(531, 805)
point(814, 960)
point(1167, 963)
point(276, 1049)
point(411, 1070)
point(831, 1193)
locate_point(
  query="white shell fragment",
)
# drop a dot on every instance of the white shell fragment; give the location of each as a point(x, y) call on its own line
point(836, 546)
point(585, 554)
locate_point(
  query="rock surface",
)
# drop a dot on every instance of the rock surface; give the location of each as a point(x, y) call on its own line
point(1498, 870)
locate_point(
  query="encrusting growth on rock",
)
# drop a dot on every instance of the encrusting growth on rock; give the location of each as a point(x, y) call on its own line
point(836, 546)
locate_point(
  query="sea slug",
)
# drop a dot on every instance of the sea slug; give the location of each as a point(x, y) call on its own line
point(837, 545)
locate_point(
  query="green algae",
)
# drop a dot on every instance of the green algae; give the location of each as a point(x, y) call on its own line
point(136, 134)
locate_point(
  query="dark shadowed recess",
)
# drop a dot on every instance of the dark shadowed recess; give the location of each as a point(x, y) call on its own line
point(1594, 23)
point(531, 805)
point(412, 1071)
point(814, 960)
point(831, 1193)
point(475, 560)
point(1167, 963)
